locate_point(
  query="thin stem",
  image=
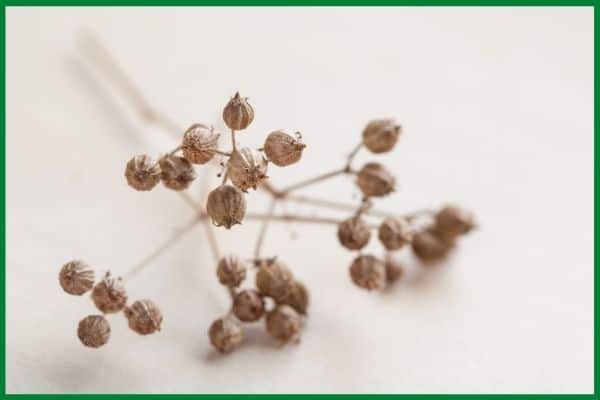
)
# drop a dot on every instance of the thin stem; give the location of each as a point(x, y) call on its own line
point(293, 218)
point(353, 154)
point(312, 181)
point(233, 143)
point(223, 153)
point(264, 227)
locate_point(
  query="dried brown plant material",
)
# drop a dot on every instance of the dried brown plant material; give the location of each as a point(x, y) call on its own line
point(231, 271)
point(247, 168)
point(93, 331)
point(283, 149)
point(374, 180)
point(248, 306)
point(109, 294)
point(177, 173)
point(381, 135)
point(238, 113)
point(353, 233)
point(394, 233)
point(283, 323)
point(368, 272)
point(297, 298)
point(393, 271)
point(274, 279)
point(452, 221)
point(199, 144)
point(226, 206)
point(76, 277)
point(142, 172)
point(428, 245)
point(225, 334)
point(144, 317)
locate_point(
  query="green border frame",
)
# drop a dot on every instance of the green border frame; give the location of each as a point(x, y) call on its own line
point(426, 3)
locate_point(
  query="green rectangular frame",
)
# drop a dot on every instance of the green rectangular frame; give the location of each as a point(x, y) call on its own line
point(353, 3)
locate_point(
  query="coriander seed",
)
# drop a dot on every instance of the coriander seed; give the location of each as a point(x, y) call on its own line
point(283, 149)
point(394, 233)
point(353, 233)
point(199, 144)
point(144, 317)
point(231, 271)
point(109, 294)
point(368, 272)
point(225, 334)
point(275, 280)
point(177, 172)
point(226, 206)
point(381, 135)
point(247, 168)
point(248, 306)
point(374, 180)
point(283, 323)
point(76, 277)
point(142, 172)
point(93, 331)
point(238, 113)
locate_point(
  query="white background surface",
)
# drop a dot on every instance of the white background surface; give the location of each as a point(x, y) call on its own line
point(497, 109)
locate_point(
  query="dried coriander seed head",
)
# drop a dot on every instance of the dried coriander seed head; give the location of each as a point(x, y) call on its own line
point(247, 168)
point(430, 246)
point(353, 233)
point(238, 113)
point(142, 172)
point(368, 272)
point(177, 173)
point(283, 149)
point(226, 206)
point(275, 280)
point(76, 277)
point(381, 135)
point(452, 221)
point(393, 271)
point(248, 306)
point(394, 233)
point(283, 323)
point(199, 144)
point(144, 317)
point(225, 334)
point(297, 297)
point(109, 294)
point(374, 180)
point(231, 271)
point(93, 331)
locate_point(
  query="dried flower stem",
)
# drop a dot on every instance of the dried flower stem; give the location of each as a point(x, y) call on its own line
point(264, 227)
point(312, 181)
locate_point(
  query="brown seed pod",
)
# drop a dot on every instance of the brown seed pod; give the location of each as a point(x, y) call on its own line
point(248, 306)
point(393, 271)
point(226, 206)
point(283, 149)
point(374, 180)
point(238, 113)
point(177, 172)
point(109, 294)
point(394, 233)
point(199, 144)
point(283, 323)
point(297, 297)
point(247, 168)
point(144, 317)
point(142, 172)
point(275, 280)
point(353, 233)
point(225, 334)
point(452, 221)
point(231, 271)
point(381, 135)
point(76, 277)
point(93, 331)
point(430, 246)
point(368, 272)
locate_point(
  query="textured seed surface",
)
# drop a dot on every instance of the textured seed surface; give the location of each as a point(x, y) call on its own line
point(395, 233)
point(109, 294)
point(142, 172)
point(381, 135)
point(353, 233)
point(368, 272)
point(238, 113)
point(199, 144)
point(274, 280)
point(248, 306)
point(76, 277)
point(297, 297)
point(231, 271)
point(226, 206)
point(374, 180)
point(225, 334)
point(247, 168)
point(283, 149)
point(144, 317)
point(93, 331)
point(283, 323)
point(177, 173)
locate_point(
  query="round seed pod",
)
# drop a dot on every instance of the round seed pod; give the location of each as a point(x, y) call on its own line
point(283, 149)
point(452, 221)
point(430, 246)
point(238, 113)
point(248, 306)
point(144, 317)
point(353, 233)
point(76, 277)
point(199, 144)
point(297, 298)
point(142, 172)
point(394, 233)
point(177, 172)
point(109, 294)
point(226, 206)
point(374, 180)
point(393, 271)
point(225, 334)
point(368, 272)
point(93, 331)
point(247, 168)
point(274, 280)
point(231, 271)
point(381, 135)
point(283, 323)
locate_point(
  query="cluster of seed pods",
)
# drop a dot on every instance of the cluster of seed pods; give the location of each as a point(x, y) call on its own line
point(109, 296)
point(246, 168)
